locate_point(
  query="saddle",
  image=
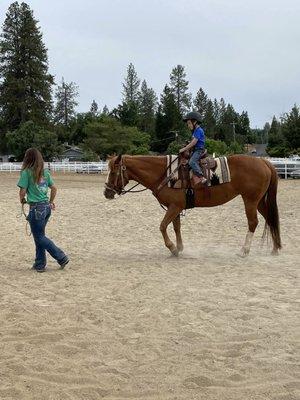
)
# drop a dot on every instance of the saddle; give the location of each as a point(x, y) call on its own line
point(207, 164)
point(179, 175)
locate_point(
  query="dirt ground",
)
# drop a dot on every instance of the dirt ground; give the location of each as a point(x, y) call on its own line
point(124, 320)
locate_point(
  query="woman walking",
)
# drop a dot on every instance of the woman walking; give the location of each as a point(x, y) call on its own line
point(34, 183)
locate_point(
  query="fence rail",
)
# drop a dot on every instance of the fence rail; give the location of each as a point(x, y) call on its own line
point(286, 167)
point(78, 167)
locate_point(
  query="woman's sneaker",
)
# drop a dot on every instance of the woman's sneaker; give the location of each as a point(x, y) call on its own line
point(64, 262)
point(40, 269)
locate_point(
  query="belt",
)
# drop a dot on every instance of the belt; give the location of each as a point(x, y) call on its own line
point(37, 203)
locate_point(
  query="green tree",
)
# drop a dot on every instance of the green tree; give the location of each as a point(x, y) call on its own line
point(243, 132)
point(217, 111)
point(216, 146)
point(221, 128)
point(77, 127)
point(179, 88)
point(31, 135)
point(128, 111)
point(291, 128)
point(105, 111)
point(108, 136)
point(25, 88)
point(131, 86)
point(209, 121)
point(230, 117)
point(276, 139)
point(235, 148)
point(266, 132)
point(222, 110)
point(200, 102)
point(94, 108)
point(168, 121)
point(65, 95)
point(148, 108)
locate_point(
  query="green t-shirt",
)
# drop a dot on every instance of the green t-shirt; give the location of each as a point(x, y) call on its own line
point(36, 192)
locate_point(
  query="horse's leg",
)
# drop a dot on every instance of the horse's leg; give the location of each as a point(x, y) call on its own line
point(170, 215)
point(262, 208)
point(176, 225)
point(251, 212)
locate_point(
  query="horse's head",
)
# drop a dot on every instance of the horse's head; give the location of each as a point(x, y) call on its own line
point(117, 177)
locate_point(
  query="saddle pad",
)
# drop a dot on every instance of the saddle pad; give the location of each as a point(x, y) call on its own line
point(172, 164)
point(222, 171)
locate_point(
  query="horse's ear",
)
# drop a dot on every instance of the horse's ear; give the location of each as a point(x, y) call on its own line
point(118, 158)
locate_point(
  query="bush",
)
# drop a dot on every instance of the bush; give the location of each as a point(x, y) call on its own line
point(108, 136)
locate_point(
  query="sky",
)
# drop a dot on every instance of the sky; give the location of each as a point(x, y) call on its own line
point(244, 51)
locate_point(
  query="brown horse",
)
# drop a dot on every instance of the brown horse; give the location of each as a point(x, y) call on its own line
point(255, 179)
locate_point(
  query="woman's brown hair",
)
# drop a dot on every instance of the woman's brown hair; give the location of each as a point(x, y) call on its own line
point(33, 159)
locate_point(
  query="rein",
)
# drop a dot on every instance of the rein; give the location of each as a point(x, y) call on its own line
point(121, 173)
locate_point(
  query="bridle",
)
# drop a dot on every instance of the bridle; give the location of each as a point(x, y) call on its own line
point(120, 171)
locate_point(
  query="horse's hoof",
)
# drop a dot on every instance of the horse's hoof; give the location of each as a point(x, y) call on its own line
point(243, 253)
point(174, 252)
point(275, 252)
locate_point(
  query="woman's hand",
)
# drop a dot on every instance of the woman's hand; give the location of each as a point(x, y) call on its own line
point(52, 206)
point(22, 194)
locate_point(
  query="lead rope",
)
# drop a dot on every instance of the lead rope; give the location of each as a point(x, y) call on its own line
point(21, 214)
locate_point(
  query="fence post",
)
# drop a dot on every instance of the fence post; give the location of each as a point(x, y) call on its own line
point(285, 170)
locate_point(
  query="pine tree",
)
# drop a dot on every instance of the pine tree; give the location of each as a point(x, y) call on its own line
point(217, 111)
point(105, 110)
point(230, 117)
point(209, 121)
point(94, 108)
point(147, 108)
point(179, 88)
point(131, 86)
point(244, 127)
point(222, 110)
point(128, 111)
point(25, 88)
point(168, 121)
point(200, 102)
point(275, 128)
point(266, 131)
point(291, 128)
point(65, 95)
point(277, 142)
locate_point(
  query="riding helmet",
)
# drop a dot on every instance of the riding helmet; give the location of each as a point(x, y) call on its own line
point(193, 115)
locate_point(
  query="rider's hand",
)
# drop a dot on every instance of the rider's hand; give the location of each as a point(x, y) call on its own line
point(52, 206)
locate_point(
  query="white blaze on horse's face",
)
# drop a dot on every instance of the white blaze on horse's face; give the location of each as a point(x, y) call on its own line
point(109, 171)
point(109, 191)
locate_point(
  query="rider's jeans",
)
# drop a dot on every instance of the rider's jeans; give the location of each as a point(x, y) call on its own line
point(194, 162)
point(38, 217)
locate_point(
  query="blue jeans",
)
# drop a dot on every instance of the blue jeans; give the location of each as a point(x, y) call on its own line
point(38, 217)
point(194, 162)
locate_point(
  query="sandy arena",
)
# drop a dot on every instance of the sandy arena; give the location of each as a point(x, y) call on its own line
point(125, 320)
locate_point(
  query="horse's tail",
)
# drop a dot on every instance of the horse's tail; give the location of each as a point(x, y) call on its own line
point(270, 202)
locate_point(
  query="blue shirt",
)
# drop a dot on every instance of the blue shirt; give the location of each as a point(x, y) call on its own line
point(200, 136)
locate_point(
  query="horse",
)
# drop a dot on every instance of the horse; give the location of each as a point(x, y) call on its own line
point(255, 179)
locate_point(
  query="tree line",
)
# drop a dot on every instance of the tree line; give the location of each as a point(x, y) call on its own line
point(32, 113)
